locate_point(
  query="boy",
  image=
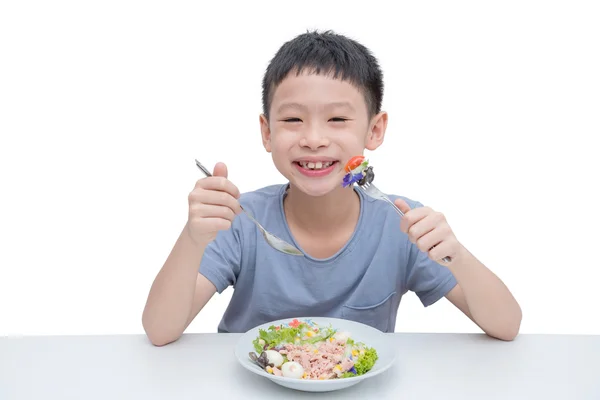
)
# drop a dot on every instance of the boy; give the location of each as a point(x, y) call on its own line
point(322, 96)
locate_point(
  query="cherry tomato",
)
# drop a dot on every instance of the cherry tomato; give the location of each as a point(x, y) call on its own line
point(295, 323)
point(354, 162)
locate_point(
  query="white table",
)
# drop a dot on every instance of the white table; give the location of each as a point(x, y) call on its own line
point(202, 366)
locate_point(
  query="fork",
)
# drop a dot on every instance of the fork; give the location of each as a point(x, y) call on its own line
point(272, 240)
point(371, 190)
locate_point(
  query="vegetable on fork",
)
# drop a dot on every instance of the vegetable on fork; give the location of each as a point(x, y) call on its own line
point(358, 171)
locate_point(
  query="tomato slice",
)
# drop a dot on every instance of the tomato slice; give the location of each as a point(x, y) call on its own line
point(354, 162)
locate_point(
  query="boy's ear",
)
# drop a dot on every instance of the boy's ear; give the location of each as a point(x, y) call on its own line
point(376, 132)
point(265, 132)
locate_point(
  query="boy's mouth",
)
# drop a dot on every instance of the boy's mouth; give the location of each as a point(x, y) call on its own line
point(315, 165)
point(316, 168)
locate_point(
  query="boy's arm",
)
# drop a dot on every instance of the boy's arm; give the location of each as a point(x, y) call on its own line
point(205, 290)
point(479, 294)
point(178, 293)
point(483, 297)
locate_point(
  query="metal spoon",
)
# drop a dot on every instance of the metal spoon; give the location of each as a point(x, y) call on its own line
point(271, 239)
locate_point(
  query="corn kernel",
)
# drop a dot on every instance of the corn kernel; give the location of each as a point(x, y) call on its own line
point(316, 351)
point(338, 367)
point(309, 334)
point(331, 339)
point(270, 370)
point(354, 353)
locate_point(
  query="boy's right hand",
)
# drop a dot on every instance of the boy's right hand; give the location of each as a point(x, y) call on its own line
point(213, 205)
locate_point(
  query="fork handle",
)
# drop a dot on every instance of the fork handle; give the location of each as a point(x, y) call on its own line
point(394, 205)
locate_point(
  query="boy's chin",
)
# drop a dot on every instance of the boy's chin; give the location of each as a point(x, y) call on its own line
point(317, 189)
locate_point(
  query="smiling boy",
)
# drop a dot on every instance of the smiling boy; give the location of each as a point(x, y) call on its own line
point(322, 95)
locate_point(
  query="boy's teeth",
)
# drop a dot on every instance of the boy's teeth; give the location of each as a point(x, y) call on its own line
point(315, 165)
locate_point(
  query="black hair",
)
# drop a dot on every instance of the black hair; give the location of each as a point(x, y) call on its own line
point(326, 53)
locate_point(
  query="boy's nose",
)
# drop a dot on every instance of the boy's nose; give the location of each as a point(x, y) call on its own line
point(313, 139)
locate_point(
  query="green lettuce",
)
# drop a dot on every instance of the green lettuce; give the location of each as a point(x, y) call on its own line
point(363, 363)
point(273, 337)
point(366, 361)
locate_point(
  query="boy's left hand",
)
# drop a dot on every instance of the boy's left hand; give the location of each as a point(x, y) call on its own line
point(429, 230)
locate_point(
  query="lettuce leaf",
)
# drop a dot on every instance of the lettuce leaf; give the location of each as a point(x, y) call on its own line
point(257, 346)
point(273, 337)
point(366, 361)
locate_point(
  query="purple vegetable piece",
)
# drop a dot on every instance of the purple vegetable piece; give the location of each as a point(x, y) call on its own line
point(262, 360)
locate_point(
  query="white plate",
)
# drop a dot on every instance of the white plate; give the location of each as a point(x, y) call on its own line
point(370, 336)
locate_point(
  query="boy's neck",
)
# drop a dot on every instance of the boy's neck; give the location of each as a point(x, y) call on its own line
point(319, 215)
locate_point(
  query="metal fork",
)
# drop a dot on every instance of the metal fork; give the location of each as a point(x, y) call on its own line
point(272, 240)
point(371, 190)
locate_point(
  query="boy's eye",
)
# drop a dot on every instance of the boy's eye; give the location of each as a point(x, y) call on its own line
point(338, 119)
point(292, 120)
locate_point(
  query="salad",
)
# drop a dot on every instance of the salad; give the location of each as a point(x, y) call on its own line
point(305, 350)
point(358, 171)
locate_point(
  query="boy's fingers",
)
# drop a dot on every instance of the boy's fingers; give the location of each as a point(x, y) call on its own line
point(212, 211)
point(220, 170)
point(218, 183)
point(404, 222)
point(413, 217)
point(402, 205)
point(216, 198)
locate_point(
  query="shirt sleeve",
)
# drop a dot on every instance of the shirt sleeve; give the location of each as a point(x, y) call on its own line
point(429, 280)
point(221, 261)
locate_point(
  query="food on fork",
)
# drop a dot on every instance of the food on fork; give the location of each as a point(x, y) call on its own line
point(358, 171)
point(305, 350)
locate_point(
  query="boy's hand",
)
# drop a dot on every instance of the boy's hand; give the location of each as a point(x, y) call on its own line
point(213, 205)
point(429, 230)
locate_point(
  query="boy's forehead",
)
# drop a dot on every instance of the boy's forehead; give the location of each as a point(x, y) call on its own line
point(310, 90)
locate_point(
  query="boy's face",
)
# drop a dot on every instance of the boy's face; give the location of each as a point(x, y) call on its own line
point(316, 125)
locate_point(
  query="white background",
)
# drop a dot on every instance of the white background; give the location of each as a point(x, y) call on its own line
point(494, 119)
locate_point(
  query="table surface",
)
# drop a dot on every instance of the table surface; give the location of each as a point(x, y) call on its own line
point(203, 366)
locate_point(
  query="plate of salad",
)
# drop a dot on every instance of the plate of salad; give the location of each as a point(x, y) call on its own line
point(315, 354)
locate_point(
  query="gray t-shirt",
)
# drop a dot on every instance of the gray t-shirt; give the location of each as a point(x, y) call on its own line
point(363, 282)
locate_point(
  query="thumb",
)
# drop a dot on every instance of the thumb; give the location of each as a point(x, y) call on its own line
point(220, 170)
point(402, 205)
